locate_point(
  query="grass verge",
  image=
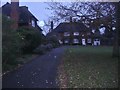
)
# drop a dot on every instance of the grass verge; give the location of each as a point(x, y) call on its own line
point(89, 67)
point(19, 62)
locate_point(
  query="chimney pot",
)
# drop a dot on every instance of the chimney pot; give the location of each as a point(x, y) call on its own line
point(51, 25)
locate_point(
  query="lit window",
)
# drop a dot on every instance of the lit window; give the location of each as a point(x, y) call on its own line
point(76, 33)
point(33, 23)
point(75, 41)
point(66, 34)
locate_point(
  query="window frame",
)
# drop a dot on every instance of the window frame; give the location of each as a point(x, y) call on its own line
point(74, 33)
point(33, 23)
point(66, 34)
point(75, 39)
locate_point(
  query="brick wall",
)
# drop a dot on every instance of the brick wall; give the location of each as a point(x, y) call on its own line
point(14, 13)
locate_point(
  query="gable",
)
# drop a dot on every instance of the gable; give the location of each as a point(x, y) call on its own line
point(6, 9)
point(24, 13)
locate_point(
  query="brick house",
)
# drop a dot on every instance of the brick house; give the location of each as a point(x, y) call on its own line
point(20, 15)
point(74, 33)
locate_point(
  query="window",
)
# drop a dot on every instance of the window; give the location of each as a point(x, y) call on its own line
point(75, 41)
point(76, 33)
point(82, 35)
point(83, 42)
point(89, 40)
point(60, 41)
point(96, 42)
point(33, 23)
point(66, 41)
point(66, 33)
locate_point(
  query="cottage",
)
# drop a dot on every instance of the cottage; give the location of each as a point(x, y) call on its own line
point(72, 33)
point(20, 15)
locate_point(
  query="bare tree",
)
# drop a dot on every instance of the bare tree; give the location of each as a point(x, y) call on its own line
point(92, 14)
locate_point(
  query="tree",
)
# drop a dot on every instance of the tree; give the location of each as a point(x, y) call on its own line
point(116, 36)
point(92, 14)
point(31, 38)
point(11, 43)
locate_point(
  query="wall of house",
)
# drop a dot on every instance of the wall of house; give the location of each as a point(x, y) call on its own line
point(82, 39)
point(71, 38)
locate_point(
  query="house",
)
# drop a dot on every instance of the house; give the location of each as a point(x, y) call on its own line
point(20, 15)
point(74, 33)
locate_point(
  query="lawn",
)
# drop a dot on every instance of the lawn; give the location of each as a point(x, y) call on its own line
point(88, 67)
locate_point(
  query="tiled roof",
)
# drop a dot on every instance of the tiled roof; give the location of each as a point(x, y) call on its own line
point(24, 12)
point(70, 26)
point(6, 9)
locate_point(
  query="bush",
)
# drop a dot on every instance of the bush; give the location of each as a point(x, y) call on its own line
point(40, 49)
point(11, 43)
point(43, 48)
point(53, 40)
point(49, 46)
point(31, 38)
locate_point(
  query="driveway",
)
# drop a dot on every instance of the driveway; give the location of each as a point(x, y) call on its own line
point(41, 72)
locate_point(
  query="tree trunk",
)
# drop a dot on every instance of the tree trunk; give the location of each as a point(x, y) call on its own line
point(116, 36)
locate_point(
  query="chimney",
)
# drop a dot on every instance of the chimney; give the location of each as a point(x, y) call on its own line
point(51, 25)
point(15, 13)
point(70, 18)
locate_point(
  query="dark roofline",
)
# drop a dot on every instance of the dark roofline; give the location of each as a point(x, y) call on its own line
point(29, 12)
point(39, 28)
point(65, 25)
point(21, 7)
point(5, 4)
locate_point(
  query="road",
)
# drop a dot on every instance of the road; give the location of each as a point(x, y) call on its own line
point(41, 72)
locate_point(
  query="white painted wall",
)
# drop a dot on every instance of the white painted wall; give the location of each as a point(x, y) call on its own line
point(83, 42)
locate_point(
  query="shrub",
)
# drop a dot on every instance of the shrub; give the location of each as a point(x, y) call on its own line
point(40, 49)
point(11, 43)
point(53, 40)
point(31, 38)
point(43, 48)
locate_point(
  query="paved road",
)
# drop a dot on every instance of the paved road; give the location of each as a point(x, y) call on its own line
point(41, 72)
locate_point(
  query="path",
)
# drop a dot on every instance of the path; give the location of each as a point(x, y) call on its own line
point(41, 72)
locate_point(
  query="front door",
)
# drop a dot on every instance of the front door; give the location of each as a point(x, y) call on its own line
point(83, 42)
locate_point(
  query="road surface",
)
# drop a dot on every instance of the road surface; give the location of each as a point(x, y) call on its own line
point(41, 72)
